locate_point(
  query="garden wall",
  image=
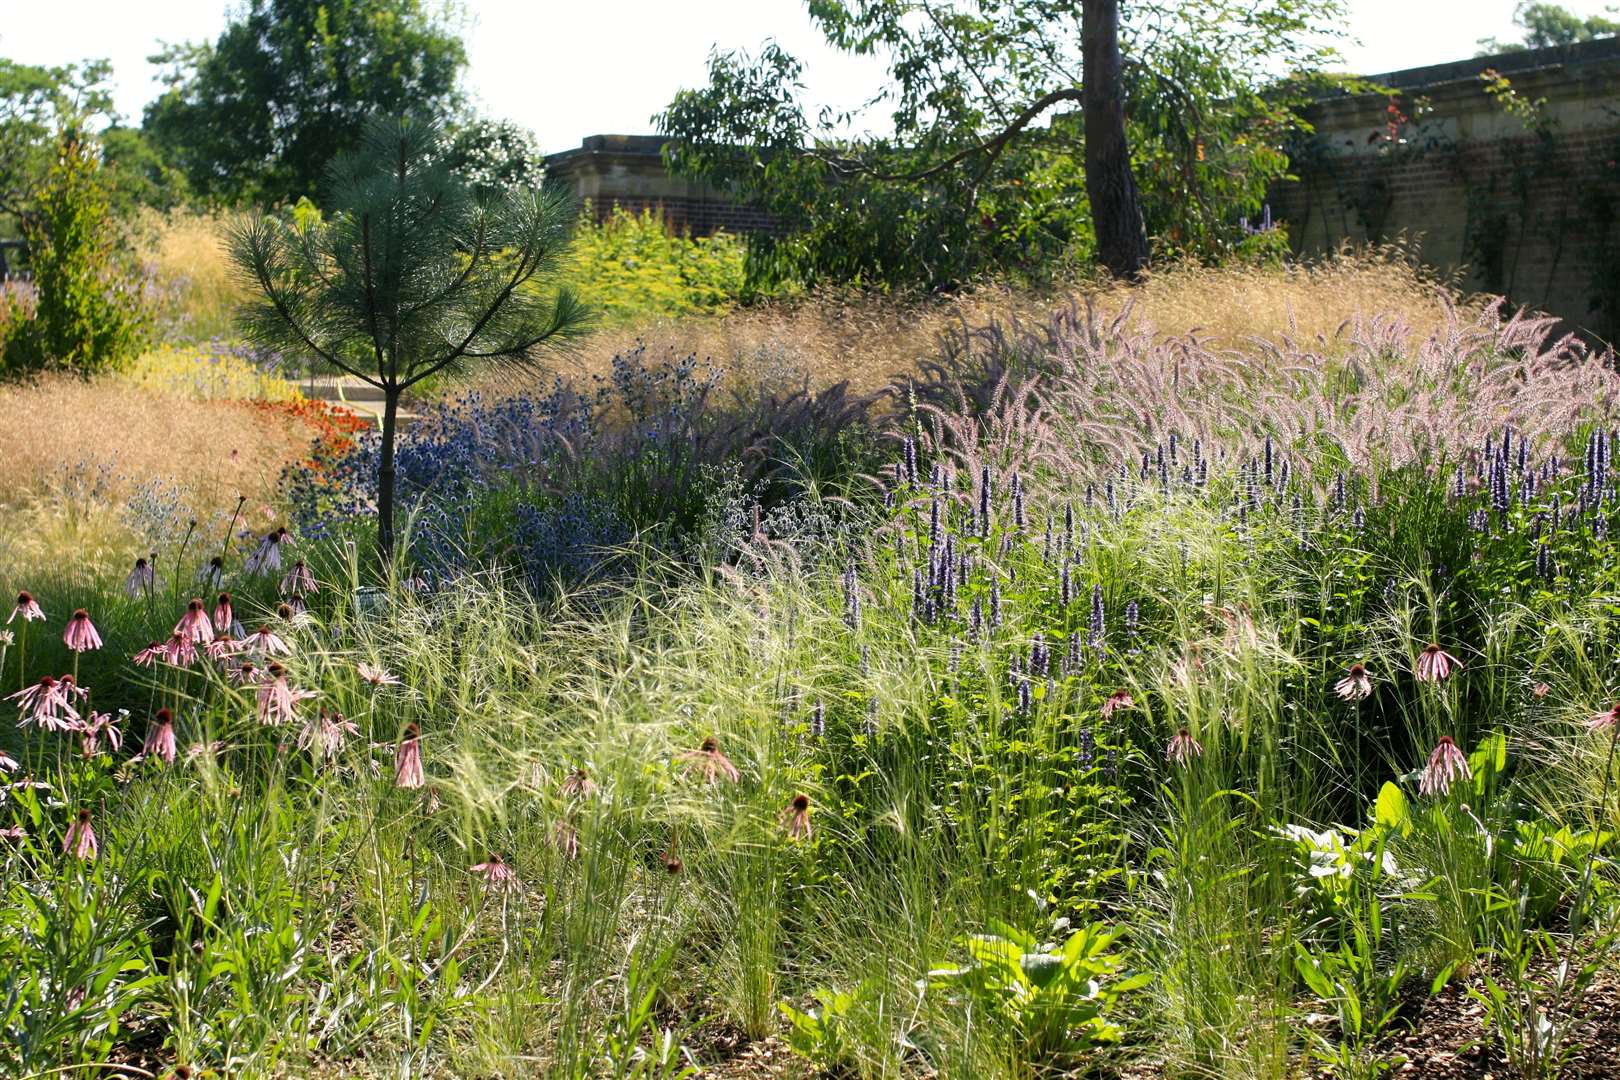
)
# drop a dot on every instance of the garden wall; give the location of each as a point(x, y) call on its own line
point(628, 171)
point(1517, 190)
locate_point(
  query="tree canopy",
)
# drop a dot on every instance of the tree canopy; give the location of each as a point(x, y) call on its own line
point(288, 86)
point(979, 169)
point(37, 106)
point(1550, 24)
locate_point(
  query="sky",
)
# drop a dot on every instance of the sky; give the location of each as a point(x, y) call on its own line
point(568, 69)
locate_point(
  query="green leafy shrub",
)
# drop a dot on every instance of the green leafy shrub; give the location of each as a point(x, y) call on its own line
point(91, 312)
point(635, 265)
point(1057, 997)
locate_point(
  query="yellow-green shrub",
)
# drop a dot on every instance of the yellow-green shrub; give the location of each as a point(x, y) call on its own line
point(635, 265)
point(213, 372)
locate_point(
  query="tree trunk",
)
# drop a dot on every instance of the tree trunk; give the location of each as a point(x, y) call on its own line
point(385, 479)
point(1116, 210)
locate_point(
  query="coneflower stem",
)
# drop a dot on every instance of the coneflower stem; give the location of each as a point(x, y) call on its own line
point(1576, 915)
point(225, 551)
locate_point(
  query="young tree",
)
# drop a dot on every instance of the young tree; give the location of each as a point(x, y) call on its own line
point(409, 275)
point(92, 311)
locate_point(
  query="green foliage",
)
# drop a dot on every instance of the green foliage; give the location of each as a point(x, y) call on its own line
point(494, 156)
point(1059, 999)
point(91, 312)
point(967, 184)
point(1547, 25)
point(36, 105)
point(290, 84)
point(632, 266)
point(821, 1035)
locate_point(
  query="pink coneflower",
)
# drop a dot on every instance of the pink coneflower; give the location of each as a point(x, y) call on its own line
point(212, 573)
point(1182, 748)
point(150, 655)
point(140, 579)
point(566, 839)
point(13, 832)
point(45, 703)
point(266, 558)
point(672, 861)
point(277, 701)
point(223, 647)
point(1434, 664)
point(194, 625)
point(327, 733)
point(203, 749)
point(224, 614)
point(80, 635)
point(160, 741)
point(97, 727)
point(300, 581)
point(1355, 685)
point(80, 841)
point(245, 674)
point(796, 818)
point(71, 689)
point(1605, 720)
point(1446, 764)
point(7, 762)
point(710, 762)
point(1119, 699)
point(178, 651)
point(376, 676)
point(495, 873)
point(1540, 690)
point(578, 785)
point(408, 759)
point(266, 640)
point(27, 607)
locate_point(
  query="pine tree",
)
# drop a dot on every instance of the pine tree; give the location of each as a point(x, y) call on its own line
point(409, 275)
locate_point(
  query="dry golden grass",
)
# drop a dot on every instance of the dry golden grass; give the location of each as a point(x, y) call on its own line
point(78, 453)
point(868, 340)
point(186, 250)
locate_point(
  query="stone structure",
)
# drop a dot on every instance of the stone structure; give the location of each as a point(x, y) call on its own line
point(628, 171)
point(1517, 190)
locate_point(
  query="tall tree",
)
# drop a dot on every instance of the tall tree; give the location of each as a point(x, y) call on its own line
point(410, 275)
point(1547, 24)
point(289, 85)
point(983, 167)
point(38, 107)
point(1116, 210)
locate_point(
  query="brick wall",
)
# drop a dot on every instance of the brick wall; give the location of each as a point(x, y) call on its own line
point(628, 171)
point(1521, 206)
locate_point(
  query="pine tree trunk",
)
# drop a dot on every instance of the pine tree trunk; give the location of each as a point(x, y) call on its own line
point(385, 479)
point(1116, 210)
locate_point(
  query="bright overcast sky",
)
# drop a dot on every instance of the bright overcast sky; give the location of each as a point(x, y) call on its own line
point(568, 69)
